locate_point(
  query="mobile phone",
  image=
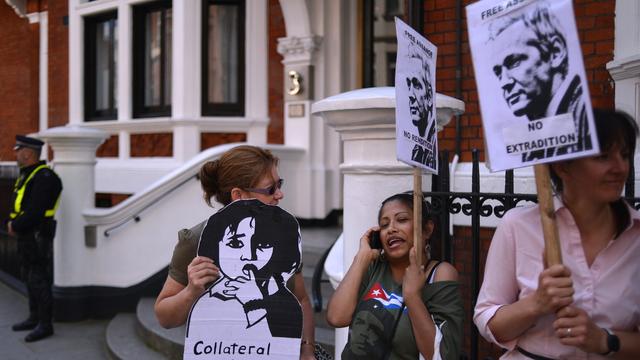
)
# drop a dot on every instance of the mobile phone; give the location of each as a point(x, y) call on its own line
point(374, 241)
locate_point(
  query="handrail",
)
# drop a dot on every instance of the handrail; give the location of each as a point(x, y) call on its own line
point(131, 208)
point(316, 280)
point(140, 200)
point(136, 217)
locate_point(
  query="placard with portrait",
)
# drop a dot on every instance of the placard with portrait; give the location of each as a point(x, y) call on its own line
point(532, 88)
point(415, 82)
point(249, 312)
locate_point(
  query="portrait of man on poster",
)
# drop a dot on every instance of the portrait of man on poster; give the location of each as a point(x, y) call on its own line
point(420, 91)
point(531, 64)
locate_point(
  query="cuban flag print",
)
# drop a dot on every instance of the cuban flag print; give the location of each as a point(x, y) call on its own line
point(388, 300)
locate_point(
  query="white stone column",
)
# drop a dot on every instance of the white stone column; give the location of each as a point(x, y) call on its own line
point(186, 76)
point(74, 150)
point(365, 120)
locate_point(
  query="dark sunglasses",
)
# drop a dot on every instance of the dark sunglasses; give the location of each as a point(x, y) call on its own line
point(270, 190)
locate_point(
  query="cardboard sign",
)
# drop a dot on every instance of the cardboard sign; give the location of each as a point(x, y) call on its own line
point(533, 91)
point(248, 313)
point(416, 138)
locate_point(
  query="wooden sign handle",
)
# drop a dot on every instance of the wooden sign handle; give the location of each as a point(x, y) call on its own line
point(417, 213)
point(547, 215)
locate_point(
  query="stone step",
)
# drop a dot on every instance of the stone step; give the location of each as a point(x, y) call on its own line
point(123, 342)
point(169, 342)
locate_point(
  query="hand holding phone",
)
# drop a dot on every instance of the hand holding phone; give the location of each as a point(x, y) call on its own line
point(375, 242)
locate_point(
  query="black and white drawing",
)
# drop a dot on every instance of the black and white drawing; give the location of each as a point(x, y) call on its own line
point(532, 87)
point(248, 313)
point(415, 99)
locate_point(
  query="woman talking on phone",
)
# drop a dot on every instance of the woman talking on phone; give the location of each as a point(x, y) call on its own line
point(386, 296)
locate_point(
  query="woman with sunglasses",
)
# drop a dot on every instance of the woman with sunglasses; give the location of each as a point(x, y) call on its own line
point(244, 172)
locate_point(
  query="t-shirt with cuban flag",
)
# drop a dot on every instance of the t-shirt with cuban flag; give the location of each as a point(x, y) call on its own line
point(370, 330)
point(390, 300)
point(380, 301)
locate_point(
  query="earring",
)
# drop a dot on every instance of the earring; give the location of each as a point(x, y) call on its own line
point(382, 256)
point(427, 250)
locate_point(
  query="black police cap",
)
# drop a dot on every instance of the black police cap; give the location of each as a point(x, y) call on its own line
point(25, 141)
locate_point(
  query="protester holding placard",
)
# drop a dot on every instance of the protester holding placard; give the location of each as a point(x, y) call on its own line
point(386, 297)
point(591, 304)
point(244, 172)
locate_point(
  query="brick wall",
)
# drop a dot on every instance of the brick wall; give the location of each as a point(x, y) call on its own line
point(151, 145)
point(109, 148)
point(18, 78)
point(208, 140)
point(58, 63)
point(595, 20)
point(277, 30)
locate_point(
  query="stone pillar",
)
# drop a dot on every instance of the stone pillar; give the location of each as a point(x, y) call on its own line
point(74, 150)
point(365, 120)
point(299, 128)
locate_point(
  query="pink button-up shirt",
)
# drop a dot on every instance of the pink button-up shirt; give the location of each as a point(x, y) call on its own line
point(609, 290)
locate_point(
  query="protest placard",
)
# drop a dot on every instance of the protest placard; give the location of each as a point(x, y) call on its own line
point(248, 313)
point(532, 87)
point(416, 133)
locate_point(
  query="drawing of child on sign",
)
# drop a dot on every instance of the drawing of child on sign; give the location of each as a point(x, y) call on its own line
point(248, 312)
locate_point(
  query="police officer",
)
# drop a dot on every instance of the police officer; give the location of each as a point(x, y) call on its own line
point(36, 195)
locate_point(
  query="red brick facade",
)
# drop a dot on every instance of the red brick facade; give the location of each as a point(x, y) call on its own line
point(151, 145)
point(276, 75)
point(19, 59)
point(109, 148)
point(208, 140)
point(58, 63)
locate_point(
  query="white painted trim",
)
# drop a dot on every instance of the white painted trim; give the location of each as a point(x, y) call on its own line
point(296, 18)
point(256, 67)
point(33, 17)
point(125, 63)
point(155, 125)
point(186, 75)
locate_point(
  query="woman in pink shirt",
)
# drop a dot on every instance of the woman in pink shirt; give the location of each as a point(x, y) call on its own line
point(588, 307)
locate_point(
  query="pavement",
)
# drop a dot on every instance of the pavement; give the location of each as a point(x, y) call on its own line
point(77, 340)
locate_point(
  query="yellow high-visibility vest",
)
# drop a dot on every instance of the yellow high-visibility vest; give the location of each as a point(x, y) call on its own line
point(17, 205)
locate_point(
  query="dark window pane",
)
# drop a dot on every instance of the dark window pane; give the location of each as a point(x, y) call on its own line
point(152, 59)
point(167, 54)
point(223, 54)
point(223, 57)
point(380, 45)
point(101, 45)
